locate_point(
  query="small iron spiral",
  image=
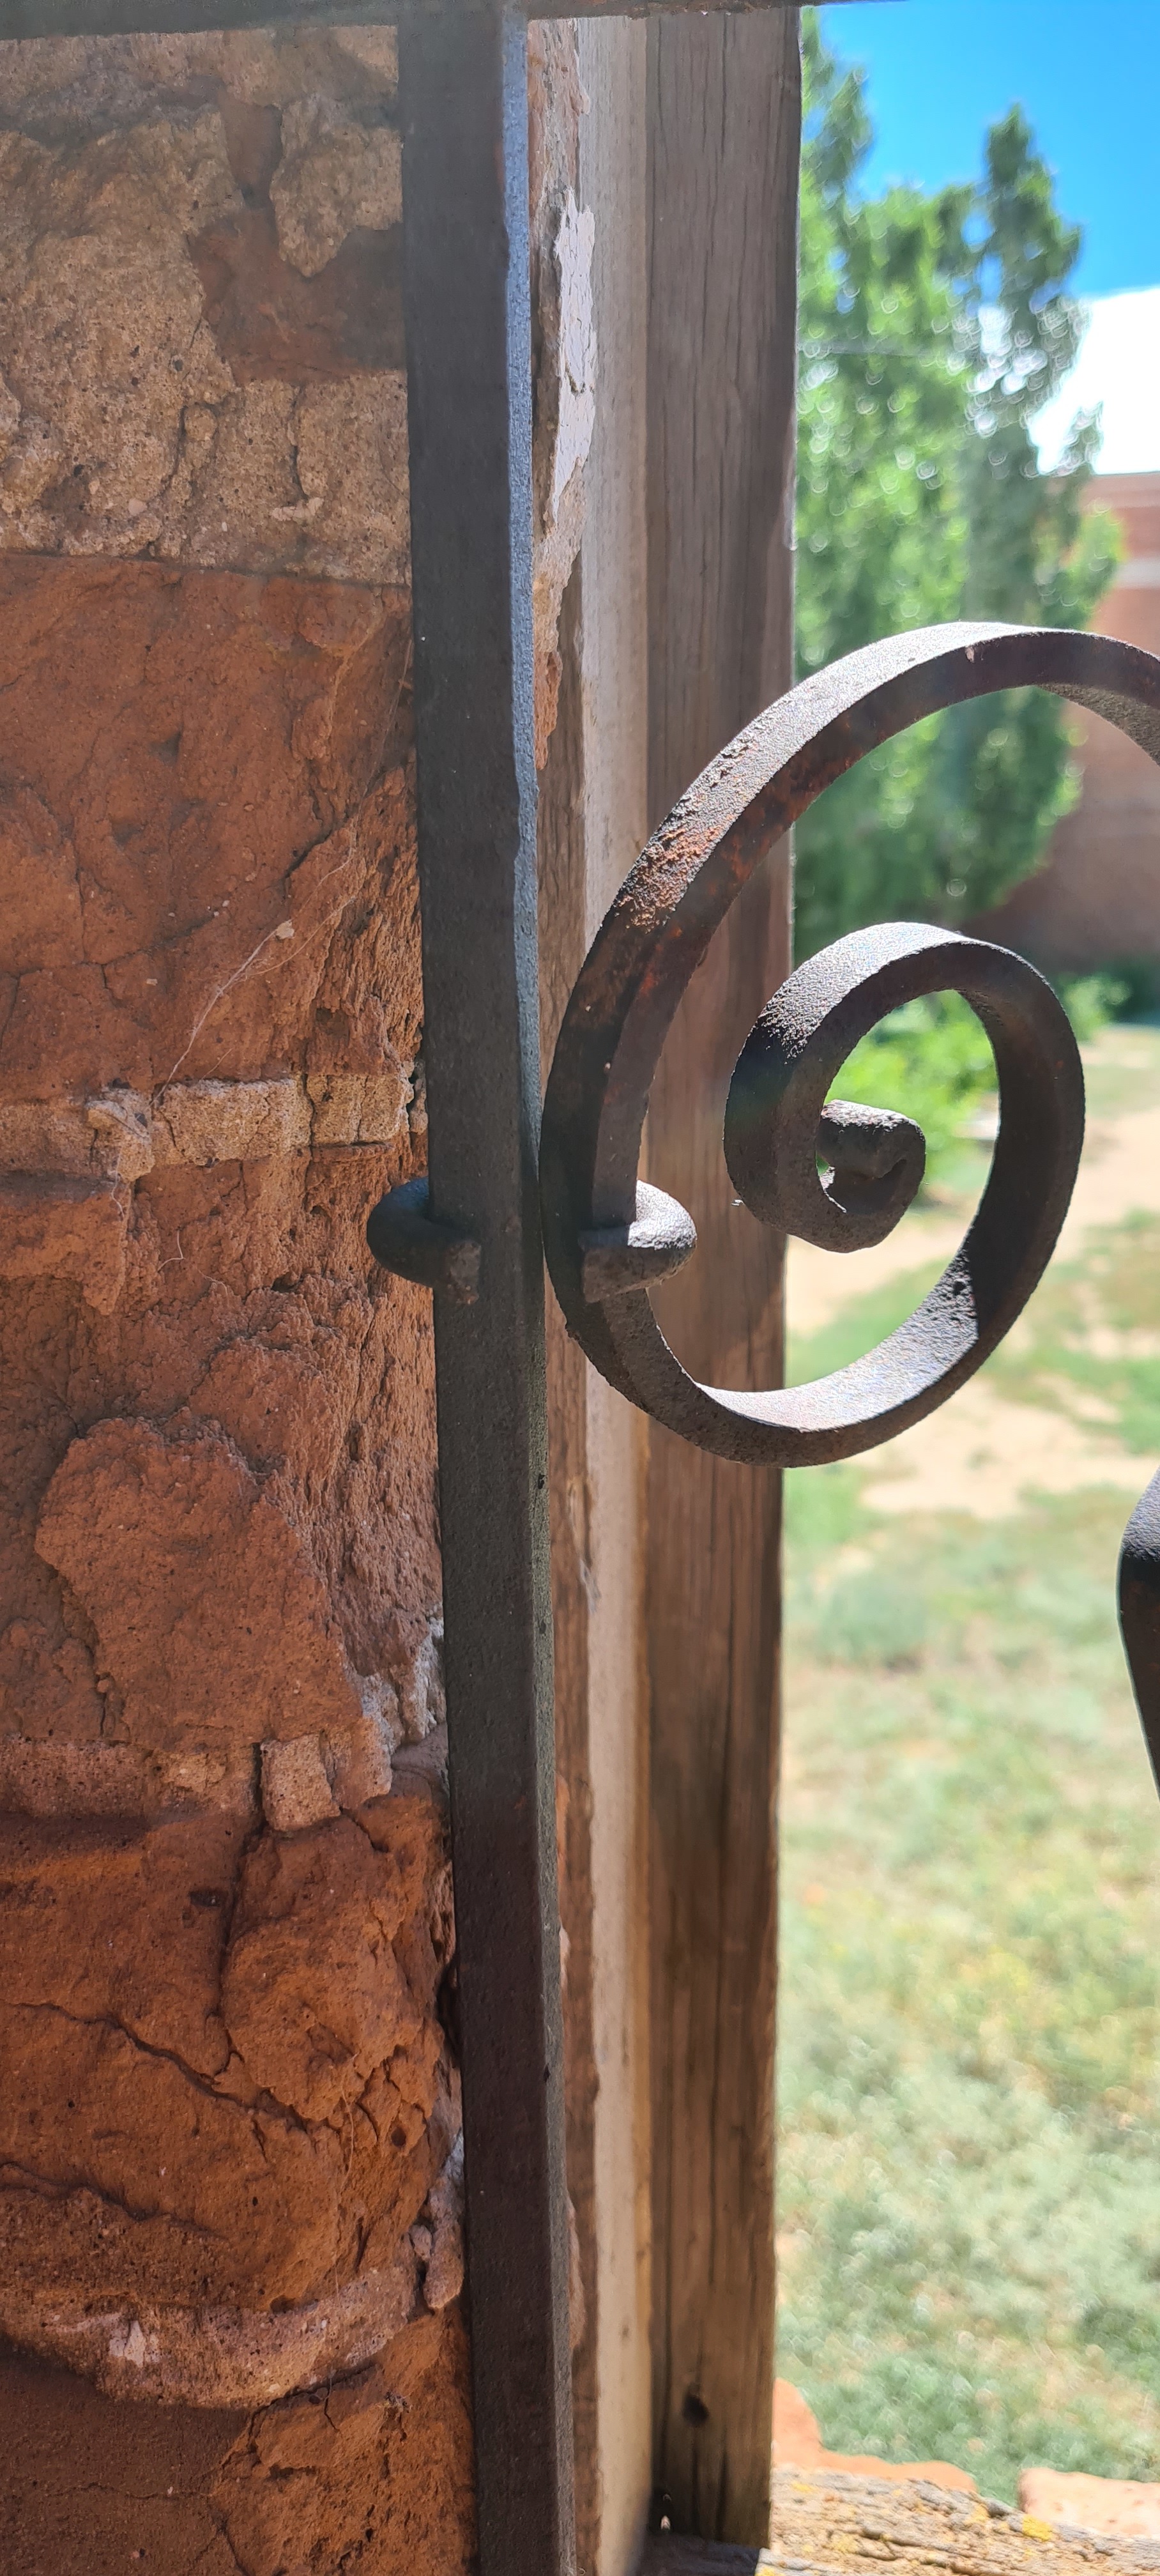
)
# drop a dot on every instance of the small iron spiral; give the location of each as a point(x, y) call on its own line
point(839, 1175)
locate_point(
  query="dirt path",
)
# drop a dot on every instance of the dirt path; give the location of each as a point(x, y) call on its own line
point(981, 1453)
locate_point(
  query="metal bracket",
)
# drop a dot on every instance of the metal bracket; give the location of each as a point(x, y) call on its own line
point(466, 263)
point(404, 1238)
point(657, 1242)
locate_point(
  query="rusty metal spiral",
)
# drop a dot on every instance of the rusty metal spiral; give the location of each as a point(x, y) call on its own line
point(607, 1234)
point(838, 1175)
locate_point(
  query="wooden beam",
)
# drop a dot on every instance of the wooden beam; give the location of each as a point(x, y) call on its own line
point(613, 662)
point(665, 2556)
point(724, 121)
point(593, 820)
point(31, 18)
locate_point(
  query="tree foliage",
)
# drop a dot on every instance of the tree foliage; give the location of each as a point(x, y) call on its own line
point(933, 329)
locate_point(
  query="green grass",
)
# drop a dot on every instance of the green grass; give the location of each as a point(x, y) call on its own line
point(1090, 1345)
point(1123, 1072)
point(857, 1327)
point(969, 2044)
point(931, 1059)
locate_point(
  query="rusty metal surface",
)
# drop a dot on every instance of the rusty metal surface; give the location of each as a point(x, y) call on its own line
point(649, 945)
point(1139, 1589)
point(463, 102)
point(405, 1238)
point(658, 1241)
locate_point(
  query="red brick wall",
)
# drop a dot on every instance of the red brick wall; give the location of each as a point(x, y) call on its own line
point(1097, 899)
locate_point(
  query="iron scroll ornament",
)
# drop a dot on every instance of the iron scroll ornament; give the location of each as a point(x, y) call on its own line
point(607, 1234)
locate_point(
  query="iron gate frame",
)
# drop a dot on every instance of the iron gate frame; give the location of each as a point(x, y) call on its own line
point(473, 1232)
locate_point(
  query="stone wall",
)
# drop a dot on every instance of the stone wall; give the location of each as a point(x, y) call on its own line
point(229, 2130)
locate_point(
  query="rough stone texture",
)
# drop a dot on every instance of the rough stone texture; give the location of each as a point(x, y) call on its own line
point(372, 2473)
point(200, 312)
point(228, 2096)
point(369, 2474)
point(229, 2163)
point(335, 177)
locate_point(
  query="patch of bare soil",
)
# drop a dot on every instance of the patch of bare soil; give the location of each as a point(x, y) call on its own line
point(981, 1453)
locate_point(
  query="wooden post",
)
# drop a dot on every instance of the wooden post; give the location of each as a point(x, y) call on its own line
point(723, 123)
point(593, 820)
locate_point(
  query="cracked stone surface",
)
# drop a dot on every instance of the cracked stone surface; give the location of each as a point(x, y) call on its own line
point(225, 1910)
point(200, 314)
point(214, 2492)
point(230, 2179)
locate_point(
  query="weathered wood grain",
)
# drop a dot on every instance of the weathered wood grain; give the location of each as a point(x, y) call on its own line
point(592, 822)
point(614, 683)
point(724, 117)
point(825, 2522)
point(562, 912)
point(666, 2556)
point(29, 18)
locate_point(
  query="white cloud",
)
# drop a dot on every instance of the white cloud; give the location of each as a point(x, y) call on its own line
point(1118, 368)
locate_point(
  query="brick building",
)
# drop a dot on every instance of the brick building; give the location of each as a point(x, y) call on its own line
point(1097, 900)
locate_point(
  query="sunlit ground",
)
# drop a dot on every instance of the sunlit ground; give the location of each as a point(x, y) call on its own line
point(969, 2047)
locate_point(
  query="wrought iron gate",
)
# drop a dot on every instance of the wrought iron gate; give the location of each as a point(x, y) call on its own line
point(496, 1200)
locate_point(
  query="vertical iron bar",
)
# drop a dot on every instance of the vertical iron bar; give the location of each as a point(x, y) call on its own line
point(463, 95)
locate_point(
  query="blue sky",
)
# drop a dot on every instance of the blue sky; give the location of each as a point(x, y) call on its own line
point(1087, 74)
